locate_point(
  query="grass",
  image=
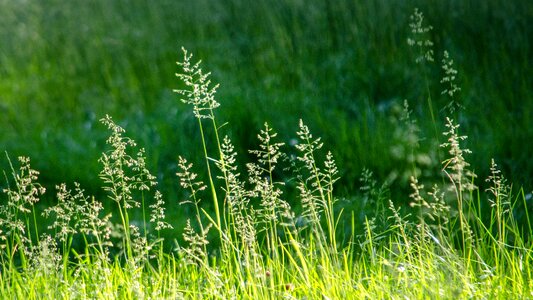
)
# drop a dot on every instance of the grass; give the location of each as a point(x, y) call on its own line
point(279, 220)
point(254, 244)
point(342, 66)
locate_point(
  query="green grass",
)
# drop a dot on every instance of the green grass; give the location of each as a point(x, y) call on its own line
point(265, 223)
point(341, 65)
point(253, 244)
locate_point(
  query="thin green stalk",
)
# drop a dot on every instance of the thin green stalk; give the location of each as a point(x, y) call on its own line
point(35, 224)
point(211, 183)
point(144, 215)
point(123, 211)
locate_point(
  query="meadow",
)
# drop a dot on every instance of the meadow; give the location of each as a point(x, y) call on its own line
point(331, 162)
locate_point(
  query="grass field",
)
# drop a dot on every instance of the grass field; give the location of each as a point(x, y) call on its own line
point(391, 92)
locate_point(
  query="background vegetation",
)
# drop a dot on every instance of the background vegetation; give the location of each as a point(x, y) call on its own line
point(342, 66)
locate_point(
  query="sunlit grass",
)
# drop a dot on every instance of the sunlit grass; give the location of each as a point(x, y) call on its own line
point(252, 243)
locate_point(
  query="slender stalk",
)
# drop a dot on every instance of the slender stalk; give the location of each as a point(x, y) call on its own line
point(211, 182)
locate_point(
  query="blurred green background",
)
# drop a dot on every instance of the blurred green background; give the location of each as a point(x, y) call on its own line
point(342, 66)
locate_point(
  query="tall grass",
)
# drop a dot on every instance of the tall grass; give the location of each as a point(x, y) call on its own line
point(343, 66)
point(253, 244)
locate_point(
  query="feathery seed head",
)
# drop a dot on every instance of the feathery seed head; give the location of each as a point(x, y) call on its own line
point(199, 91)
point(420, 37)
point(449, 80)
point(456, 167)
